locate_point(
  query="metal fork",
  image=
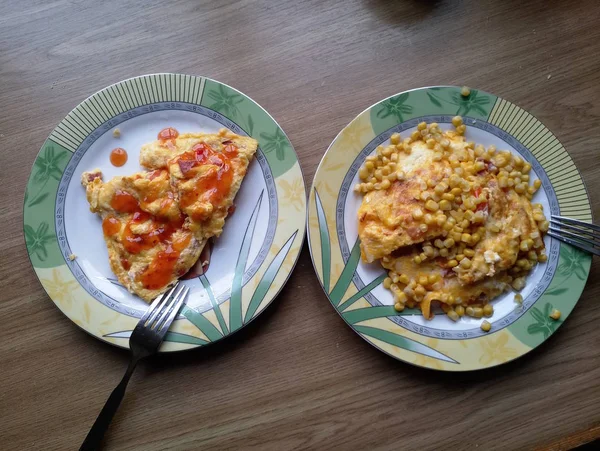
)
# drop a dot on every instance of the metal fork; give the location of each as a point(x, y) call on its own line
point(576, 233)
point(144, 341)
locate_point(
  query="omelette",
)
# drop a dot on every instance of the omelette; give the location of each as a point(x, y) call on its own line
point(206, 173)
point(157, 222)
point(451, 221)
point(385, 220)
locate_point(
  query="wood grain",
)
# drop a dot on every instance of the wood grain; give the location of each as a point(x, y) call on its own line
point(297, 378)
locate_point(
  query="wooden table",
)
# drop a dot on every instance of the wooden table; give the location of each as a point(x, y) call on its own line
point(298, 377)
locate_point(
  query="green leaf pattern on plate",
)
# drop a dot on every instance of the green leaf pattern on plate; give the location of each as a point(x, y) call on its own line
point(255, 121)
point(430, 102)
point(543, 323)
point(572, 262)
point(396, 107)
point(225, 101)
point(275, 142)
point(341, 287)
point(37, 240)
point(466, 104)
point(46, 166)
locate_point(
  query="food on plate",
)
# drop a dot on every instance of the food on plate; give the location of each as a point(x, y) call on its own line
point(157, 222)
point(206, 173)
point(450, 220)
point(118, 157)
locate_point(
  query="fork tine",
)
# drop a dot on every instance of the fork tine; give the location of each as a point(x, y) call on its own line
point(579, 243)
point(164, 321)
point(587, 232)
point(561, 220)
point(157, 306)
point(593, 239)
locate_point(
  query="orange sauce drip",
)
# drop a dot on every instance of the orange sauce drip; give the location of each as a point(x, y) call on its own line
point(111, 226)
point(214, 184)
point(123, 202)
point(168, 133)
point(118, 157)
point(160, 271)
point(159, 231)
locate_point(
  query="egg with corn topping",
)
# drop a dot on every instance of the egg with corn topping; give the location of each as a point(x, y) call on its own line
point(450, 220)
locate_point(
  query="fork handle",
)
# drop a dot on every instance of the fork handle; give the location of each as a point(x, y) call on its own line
point(94, 437)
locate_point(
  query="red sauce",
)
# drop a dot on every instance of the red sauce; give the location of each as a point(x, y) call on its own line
point(160, 271)
point(111, 226)
point(118, 157)
point(123, 202)
point(159, 230)
point(168, 133)
point(214, 184)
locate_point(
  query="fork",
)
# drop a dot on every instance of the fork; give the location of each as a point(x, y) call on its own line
point(576, 233)
point(144, 341)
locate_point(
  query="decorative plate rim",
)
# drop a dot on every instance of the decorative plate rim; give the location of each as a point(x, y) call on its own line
point(270, 295)
point(313, 200)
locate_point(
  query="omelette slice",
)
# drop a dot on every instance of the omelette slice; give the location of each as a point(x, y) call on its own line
point(206, 172)
point(509, 218)
point(150, 242)
point(385, 217)
point(446, 285)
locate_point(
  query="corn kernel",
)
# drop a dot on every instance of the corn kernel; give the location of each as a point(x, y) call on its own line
point(417, 259)
point(387, 283)
point(460, 310)
point(555, 314)
point(461, 129)
point(452, 263)
point(404, 279)
point(477, 312)
point(470, 311)
point(432, 205)
point(453, 315)
point(542, 258)
point(486, 326)
point(465, 238)
point(457, 121)
point(518, 298)
point(423, 227)
point(398, 306)
point(526, 168)
point(469, 252)
point(395, 138)
point(422, 126)
point(385, 184)
point(519, 283)
point(465, 263)
point(420, 290)
point(488, 310)
point(465, 91)
point(417, 213)
point(400, 297)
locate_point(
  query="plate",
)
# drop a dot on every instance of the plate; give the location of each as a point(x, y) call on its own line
point(248, 264)
point(354, 288)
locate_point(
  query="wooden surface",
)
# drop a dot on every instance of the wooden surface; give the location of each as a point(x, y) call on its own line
point(298, 377)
